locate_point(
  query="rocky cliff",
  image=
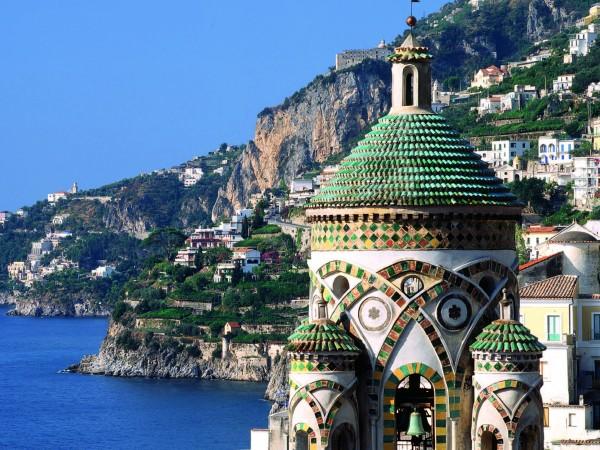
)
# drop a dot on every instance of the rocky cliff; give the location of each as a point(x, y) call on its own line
point(129, 355)
point(319, 121)
point(53, 306)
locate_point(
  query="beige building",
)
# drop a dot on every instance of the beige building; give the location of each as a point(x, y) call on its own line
point(351, 58)
point(535, 235)
point(490, 76)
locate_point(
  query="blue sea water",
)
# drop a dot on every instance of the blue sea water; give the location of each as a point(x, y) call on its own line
point(41, 408)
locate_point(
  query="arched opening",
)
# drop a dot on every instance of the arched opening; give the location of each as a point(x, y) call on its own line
point(517, 177)
point(528, 439)
point(488, 441)
point(343, 438)
point(488, 284)
point(408, 89)
point(340, 286)
point(414, 408)
point(302, 440)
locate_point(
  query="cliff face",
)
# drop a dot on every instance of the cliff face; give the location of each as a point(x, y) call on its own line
point(321, 120)
point(65, 306)
point(163, 359)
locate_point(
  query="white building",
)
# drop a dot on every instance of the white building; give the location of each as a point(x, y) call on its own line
point(552, 150)
point(490, 105)
point(586, 176)
point(593, 88)
point(520, 96)
point(40, 248)
point(17, 270)
point(103, 272)
point(301, 185)
point(224, 272)
point(580, 44)
point(191, 175)
point(219, 171)
point(248, 258)
point(503, 152)
point(564, 83)
point(4, 216)
point(54, 197)
point(351, 58)
point(59, 219)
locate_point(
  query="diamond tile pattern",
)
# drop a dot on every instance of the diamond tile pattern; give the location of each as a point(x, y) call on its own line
point(448, 234)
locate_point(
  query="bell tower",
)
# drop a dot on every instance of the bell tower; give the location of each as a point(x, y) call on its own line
point(411, 76)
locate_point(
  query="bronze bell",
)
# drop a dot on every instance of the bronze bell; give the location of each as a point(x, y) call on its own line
point(415, 425)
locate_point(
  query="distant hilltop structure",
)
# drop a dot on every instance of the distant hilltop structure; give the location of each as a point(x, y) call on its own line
point(349, 58)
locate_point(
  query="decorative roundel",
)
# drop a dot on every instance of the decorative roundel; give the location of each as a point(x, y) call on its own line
point(411, 285)
point(454, 312)
point(374, 314)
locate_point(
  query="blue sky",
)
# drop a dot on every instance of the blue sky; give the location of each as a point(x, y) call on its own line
point(99, 91)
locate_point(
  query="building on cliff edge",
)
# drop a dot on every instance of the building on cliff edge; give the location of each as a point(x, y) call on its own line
point(413, 338)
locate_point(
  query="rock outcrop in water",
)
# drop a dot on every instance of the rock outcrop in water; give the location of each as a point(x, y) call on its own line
point(54, 306)
point(127, 354)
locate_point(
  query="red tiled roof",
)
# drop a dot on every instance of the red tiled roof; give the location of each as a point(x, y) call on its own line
point(558, 287)
point(233, 324)
point(537, 229)
point(533, 262)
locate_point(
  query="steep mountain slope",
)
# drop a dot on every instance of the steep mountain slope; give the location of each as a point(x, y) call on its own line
point(320, 120)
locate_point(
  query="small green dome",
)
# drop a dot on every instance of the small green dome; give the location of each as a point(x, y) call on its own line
point(507, 336)
point(320, 336)
point(413, 160)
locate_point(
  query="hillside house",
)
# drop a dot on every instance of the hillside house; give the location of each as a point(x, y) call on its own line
point(580, 43)
point(538, 234)
point(564, 83)
point(520, 96)
point(490, 105)
point(190, 176)
point(17, 270)
point(553, 150)
point(203, 238)
point(103, 272)
point(231, 328)
point(586, 181)
point(186, 257)
point(248, 258)
point(224, 272)
point(488, 77)
point(54, 197)
point(4, 216)
point(503, 152)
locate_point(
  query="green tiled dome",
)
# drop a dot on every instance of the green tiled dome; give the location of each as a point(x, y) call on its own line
point(507, 336)
point(413, 160)
point(320, 336)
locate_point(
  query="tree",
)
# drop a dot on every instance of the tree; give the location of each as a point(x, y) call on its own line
point(216, 255)
point(531, 191)
point(522, 251)
point(198, 258)
point(245, 228)
point(258, 220)
point(165, 241)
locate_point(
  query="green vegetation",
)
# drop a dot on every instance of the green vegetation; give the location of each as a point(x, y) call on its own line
point(267, 229)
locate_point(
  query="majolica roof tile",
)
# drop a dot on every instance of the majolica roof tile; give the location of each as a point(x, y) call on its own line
point(413, 160)
point(320, 336)
point(507, 336)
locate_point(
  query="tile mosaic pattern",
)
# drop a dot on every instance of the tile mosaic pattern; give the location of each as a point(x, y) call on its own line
point(489, 394)
point(312, 437)
point(389, 398)
point(507, 366)
point(303, 393)
point(414, 235)
point(321, 365)
point(413, 160)
point(326, 431)
point(495, 432)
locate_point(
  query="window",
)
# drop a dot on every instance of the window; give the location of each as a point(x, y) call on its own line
point(596, 326)
point(572, 420)
point(546, 417)
point(553, 328)
point(408, 89)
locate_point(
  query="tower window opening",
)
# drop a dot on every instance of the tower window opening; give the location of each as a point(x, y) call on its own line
point(488, 441)
point(415, 413)
point(408, 89)
point(340, 286)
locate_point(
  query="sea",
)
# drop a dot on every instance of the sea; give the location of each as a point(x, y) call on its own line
point(44, 408)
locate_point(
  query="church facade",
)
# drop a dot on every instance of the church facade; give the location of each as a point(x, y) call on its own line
point(413, 339)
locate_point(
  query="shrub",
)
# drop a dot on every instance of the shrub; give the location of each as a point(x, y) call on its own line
point(127, 341)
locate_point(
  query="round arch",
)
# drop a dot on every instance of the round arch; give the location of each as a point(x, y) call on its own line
point(389, 399)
